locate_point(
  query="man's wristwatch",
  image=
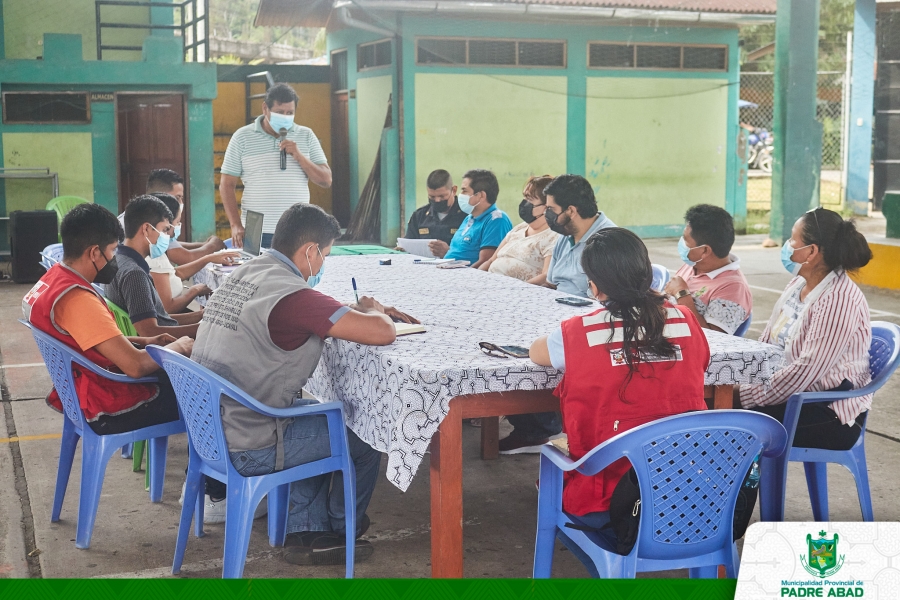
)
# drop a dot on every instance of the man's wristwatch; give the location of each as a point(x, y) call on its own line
point(681, 294)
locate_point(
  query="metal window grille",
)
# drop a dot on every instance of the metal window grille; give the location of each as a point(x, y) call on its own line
point(658, 57)
point(369, 56)
point(542, 54)
point(488, 52)
point(615, 56)
point(708, 58)
point(46, 107)
point(339, 71)
point(191, 19)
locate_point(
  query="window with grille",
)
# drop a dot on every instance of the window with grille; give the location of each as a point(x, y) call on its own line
point(339, 71)
point(46, 107)
point(491, 52)
point(604, 55)
point(377, 54)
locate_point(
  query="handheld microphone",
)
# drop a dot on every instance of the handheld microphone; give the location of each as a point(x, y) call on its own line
point(283, 136)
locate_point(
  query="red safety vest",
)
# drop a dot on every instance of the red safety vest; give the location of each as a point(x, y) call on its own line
point(592, 409)
point(98, 396)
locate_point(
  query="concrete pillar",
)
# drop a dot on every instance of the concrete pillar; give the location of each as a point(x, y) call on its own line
point(798, 135)
point(862, 93)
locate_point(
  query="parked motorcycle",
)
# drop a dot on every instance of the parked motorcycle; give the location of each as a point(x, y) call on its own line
point(761, 149)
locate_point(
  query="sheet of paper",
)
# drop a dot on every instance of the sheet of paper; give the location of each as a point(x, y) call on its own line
point(417, 247)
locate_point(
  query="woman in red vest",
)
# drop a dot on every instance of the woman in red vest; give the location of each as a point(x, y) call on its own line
point(637, 359)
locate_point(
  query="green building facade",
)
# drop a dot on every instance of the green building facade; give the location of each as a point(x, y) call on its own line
point(51, 47)
point(653, 137)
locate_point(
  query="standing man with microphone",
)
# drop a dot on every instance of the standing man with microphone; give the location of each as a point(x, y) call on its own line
point(276, 159)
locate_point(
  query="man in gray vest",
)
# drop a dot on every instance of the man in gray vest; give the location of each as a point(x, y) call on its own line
point(264, 331)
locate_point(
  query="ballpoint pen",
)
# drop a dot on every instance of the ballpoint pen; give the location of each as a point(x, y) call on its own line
point(355, 293)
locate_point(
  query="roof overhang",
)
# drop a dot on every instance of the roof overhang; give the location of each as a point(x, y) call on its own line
point(315, 13)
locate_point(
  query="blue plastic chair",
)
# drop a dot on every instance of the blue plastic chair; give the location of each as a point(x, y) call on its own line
point(690, 468)
point(884, 358)
point(199, 391)
point(661, 277)
point(96, 450)
point(51, 255)
point(743, 327)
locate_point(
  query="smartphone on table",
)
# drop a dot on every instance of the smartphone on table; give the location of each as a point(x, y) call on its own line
point(573, 301)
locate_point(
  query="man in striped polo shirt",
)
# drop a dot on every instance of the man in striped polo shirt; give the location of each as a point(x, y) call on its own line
point(254, 156)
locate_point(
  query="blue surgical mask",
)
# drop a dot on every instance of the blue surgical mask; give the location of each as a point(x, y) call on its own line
point(177, 231)
point(278, 121)
point(683, 252)
point(787, 252)
point(314, 280)
point(463, 201)
point(161, 245)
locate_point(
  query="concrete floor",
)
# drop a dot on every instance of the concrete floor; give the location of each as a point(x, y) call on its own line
point(134, 538)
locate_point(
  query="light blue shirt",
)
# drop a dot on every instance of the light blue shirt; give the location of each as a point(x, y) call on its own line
point(486, 230)
point(565, 267)
point(556, 349)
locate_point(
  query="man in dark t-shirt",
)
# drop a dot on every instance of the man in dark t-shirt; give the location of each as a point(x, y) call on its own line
point(441, 217)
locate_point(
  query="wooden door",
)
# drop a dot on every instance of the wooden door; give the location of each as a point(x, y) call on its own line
point(340, 158)
point(151, 130)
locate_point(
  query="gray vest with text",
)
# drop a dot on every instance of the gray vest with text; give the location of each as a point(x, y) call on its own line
point(233, 341)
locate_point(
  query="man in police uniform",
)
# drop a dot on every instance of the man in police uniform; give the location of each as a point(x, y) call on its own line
point(441, 217)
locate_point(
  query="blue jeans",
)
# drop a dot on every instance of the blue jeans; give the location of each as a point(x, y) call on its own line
point(317, 503)
point(536, 426)
point(595, 520)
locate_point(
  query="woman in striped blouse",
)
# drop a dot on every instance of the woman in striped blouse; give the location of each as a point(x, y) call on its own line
point(822, 323)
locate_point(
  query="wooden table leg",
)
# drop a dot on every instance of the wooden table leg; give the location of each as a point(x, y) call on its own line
point(490, 438)
point(446, 497)
point(723, 397)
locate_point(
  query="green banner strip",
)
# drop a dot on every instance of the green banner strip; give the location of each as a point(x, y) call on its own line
point(363, 589)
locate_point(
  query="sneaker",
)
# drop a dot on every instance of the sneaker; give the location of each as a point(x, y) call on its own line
point(322, 548)
point(214, 510)
point(514, 444)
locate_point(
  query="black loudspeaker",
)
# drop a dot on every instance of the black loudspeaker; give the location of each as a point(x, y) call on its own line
point(29, 233)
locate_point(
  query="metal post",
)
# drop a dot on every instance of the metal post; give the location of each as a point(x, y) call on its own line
point(862, 95)
point(798, 135)
point(845, 117)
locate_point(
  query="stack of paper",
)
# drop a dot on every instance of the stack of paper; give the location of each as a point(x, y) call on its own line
point(417, 247)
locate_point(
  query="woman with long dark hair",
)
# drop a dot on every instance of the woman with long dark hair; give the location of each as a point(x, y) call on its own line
point(637, 359)
point(822, 323)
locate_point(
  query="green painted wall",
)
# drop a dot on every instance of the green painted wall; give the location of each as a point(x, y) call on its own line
point(372, 94)
point(68, 154)
point(512, 125)
point(656, 147)
point(26, 22)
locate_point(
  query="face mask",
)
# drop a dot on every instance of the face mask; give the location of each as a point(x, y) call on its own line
point(463, 201)
point(787, 251)
point(683, 252)
point(278, 121)
point(177, 231)
point(554, 224)
point(314, 280)
point(439, 206)
point(526, 211)
point(108, 272)
point(161, 245)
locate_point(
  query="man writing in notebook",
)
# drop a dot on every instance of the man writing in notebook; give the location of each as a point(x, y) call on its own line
point(269, 309)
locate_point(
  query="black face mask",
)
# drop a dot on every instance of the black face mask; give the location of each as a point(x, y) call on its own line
point(526, 211)
point(108, 272)
point(440, 207)
point(554, 224)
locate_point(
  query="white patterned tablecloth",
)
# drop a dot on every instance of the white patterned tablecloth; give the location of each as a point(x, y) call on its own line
point(396, 396)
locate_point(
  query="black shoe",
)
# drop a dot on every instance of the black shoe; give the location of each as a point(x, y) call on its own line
point(362, 526)
point(323, 548)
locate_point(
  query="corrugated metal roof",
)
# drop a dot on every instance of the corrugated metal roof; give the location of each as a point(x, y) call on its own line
point(315, 13)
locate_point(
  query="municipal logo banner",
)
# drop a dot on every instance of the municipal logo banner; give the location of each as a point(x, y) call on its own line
point(820, 560)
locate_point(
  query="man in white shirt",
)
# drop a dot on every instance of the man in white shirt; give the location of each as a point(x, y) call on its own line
point(254, 157)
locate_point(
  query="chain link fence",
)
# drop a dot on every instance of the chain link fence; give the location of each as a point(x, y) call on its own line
point(759, 88)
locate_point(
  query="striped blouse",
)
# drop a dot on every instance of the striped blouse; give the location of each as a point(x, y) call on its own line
point(827, 343)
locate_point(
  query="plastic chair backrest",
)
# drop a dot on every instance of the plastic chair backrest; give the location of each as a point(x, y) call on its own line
point(884, 352)
point(122, 319)
point(199, 391)
point(63, 204)
point(690, 468)
point(51, 255)
point(661, 277)
point(743, 327)
point(58, 358)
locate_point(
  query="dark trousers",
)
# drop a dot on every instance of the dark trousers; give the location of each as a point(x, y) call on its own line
point(819, 426)
point(536, 426)
point(162, 409)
